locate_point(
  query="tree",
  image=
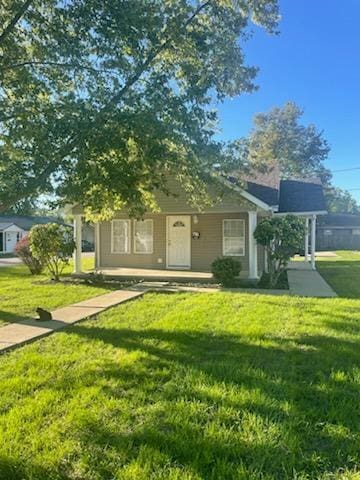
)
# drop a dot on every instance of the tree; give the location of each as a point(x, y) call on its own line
point(104, 99)
point(23, 207)
point(52, 245)
point(340, 201)
point(281, 237)
point(278, 137)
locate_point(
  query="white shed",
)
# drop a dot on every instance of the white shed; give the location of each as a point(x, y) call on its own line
point(10, 234)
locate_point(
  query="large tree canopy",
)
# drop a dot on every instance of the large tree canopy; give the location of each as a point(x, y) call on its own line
point(279, 137)
point(104, 98)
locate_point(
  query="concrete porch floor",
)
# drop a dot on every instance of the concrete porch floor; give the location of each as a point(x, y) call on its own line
point(122, 273)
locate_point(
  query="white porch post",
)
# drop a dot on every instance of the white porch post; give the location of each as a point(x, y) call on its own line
point(253, 262)
point(97, 245)
point(313, 241)
point(77, 238)
point(306, 239)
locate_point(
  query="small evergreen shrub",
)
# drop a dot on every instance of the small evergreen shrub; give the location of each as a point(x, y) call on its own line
point(225, 270)
point(22, 250)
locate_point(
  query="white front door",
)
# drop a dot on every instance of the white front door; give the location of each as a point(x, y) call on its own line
point(11, 240)
point(178, 241)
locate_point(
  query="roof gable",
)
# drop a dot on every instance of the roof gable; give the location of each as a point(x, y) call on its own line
point(300, 196)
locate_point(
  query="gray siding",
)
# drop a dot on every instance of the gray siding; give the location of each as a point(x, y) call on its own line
point(340, 239)
point(230, 201)
point(203, 251)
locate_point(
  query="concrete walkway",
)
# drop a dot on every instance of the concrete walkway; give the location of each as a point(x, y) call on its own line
point(16, 334)
point(305, 282)
point(302, 282)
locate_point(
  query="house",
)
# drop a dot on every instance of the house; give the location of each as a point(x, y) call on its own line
point(13, 228)
point(183, 238)
point(338, 231)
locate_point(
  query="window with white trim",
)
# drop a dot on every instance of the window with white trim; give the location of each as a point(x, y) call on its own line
point(143, 236)
point(234, 237)
point(120, 236)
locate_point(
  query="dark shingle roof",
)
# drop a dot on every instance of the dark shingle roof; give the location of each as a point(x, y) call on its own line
point(26, 222)
point(267, 194)
point(340, 220)
point(293, 195)
point(301, 196)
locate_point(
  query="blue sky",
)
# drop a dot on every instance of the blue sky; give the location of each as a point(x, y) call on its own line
point(314, 61)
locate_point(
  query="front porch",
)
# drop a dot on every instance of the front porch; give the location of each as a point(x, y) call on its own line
point(122, 273)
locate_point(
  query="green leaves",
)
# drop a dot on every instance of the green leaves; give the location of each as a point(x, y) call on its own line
point(81, 81)
point(281, 237)
point(52, 245)
point(279, 137)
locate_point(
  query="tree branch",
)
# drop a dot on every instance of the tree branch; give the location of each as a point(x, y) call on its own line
point(14, 21)
point(56, 64)
point(135, 77)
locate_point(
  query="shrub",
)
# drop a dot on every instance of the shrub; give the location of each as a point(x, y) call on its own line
point(52, 244)
point(225, 270)
point(281, 237)
point(22, 250)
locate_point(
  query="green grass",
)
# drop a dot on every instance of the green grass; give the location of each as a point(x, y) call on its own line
point(189, 386)
point(21, 293)
point(342, 272)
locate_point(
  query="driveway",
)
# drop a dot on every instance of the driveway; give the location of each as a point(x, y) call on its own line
point(8, 261)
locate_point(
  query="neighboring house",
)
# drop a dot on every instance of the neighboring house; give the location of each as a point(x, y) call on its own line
point(13, 228)
point(182, 238)
point(338, 231)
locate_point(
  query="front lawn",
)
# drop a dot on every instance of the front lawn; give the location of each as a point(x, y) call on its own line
point(189, 386)
point(342, 272)
point(21, 293)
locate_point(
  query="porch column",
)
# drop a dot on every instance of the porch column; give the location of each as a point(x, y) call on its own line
point(77, 238)
point(313, 241)
point(253, 262)
point(97, 245)
point(306, 255)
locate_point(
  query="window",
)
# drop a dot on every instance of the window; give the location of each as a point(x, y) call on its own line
point(120, 236)
point(178, 224)
point(143, 236)
point(234, 237)
point(356, 231)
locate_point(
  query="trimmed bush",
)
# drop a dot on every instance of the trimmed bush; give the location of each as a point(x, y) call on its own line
point(22, 250)
point(225, 270)
point(281, 237)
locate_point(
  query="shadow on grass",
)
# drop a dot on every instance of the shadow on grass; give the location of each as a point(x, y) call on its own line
point(294, 390)
point(220, 406)
point(9, 317)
